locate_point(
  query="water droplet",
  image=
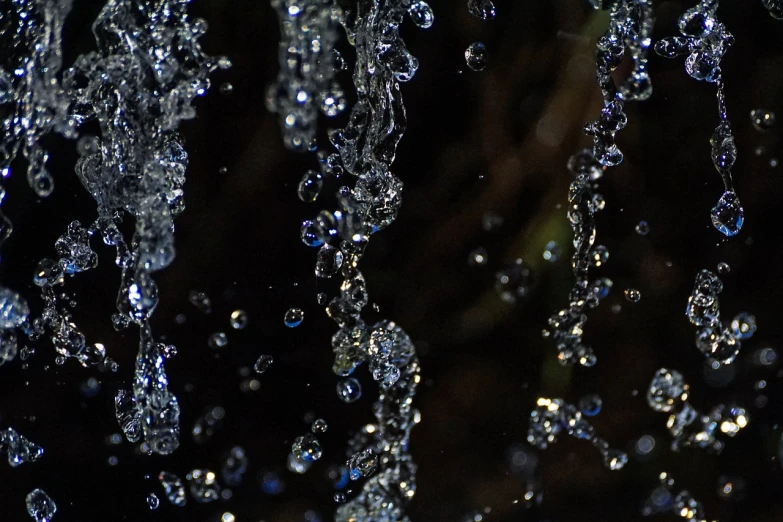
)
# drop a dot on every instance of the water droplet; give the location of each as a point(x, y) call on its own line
point(513, 282)
point(238, 319)
point(340, 497)
point(743, 326)
point(263, 363)
point(293, 317)
point(602, 286)
point(421, 14)
point(217, 340)
point(667, 391)
point(642, 228)
point(762, 119)
point(175, 491)
point(201, 301)
point(483, 9)
point(476, 56)
point(349, 390)
point(40, 506)
point(599, 255)
point(328, 261)
point(590, 405)
point(633, 295)
point(321, 298)
point(309, 234)
point(728, 215)
point(203, 485)
point(362, 464)
point(478, 257)
point(319, 426)
point(552, 252)
point(333, 102)
point(307, 448)
point(152, 501)
point(310, 186)
point(723, 268)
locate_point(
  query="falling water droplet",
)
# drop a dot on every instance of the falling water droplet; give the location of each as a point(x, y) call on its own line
point(723, 268)
point(307, 448)
point(362, 464)
point(152, 501)
point(309, 234)
point(728, 215)
point(173, 487)
point(293, 317)
point(263, 363)
point(421, 14)
point(476, 56)
point(328, 261)
point(218, 340)
point(40, 506)
point(319, 426)
point(642, 228)
point(349, 390)
point(599, 255)
point(238, 319)
point(203, 485)
point(762, 119)
point(633, 295)
point(590, 404)
point(310, 186)
point(226, 88)
point(201, 301)
point(743, 326)
point(483, 9)
point(339, 497)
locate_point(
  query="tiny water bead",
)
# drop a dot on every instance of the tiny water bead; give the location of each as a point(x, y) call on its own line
point(552, 252)
point(421, 14)
point(642, 228)
point(633, 295)
point(724, 268)
point(476, 56)
point(40, 506)
point(743, 326)
point(310, 186)
point(762, 119)
point(319, 426)
point(153, 501)
point(590, 404)
point(478, 257)
point(309, 234)
point(293, 317)
point(349, 390)
point(238, 319)
point(218, 340)
point(263, 363)
point(340, 497)
point(307, 448)
point(483, 9)
point(728, 215)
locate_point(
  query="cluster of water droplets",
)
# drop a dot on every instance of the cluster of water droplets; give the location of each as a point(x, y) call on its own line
point(552, 417)
point(705, 40)
point(308, 62)
point(18, 448)
point(683, 505)
point(713, 338)
point(629, 28)
point(365, 149)
point(668, 393)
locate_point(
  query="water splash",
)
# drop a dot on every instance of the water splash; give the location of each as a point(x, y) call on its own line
point(705, 41)
point(308, 62)
point(554, 416)
point(18, 449)
point(713, 338)
point(629, 28)
point(668, 393)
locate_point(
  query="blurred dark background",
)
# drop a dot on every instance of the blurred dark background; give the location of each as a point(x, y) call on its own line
point(496, 141)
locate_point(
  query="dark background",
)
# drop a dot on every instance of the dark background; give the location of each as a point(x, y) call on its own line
point(495, 141)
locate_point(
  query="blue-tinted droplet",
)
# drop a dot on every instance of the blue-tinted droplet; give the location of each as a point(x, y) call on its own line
point(727, 215)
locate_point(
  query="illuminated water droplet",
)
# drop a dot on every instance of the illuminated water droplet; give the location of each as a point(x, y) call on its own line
point(633, 295)
point(152, 501)
point(175, 491)
point(728, 215)
point(762, 119)
point(349, 390)
point(421, 14)
point(478, 257)
point(263, 363)
point(362, 464)
point(201, 301)
point(599, 255)
point(309, 234)
point(723, 268)
point(293, 317)
point(218, 340)
point(476, 56)
point(743, 326)
point(642, 228)
point(310, 186)
point(307, 448)
point(483, 9)
point(319, 426)
point(40, 506)
point(328, 261)
point(590, 405)
point(238, 319)
point(340, 497)
point(226, 88)
point(552, 252)
point(203, 485)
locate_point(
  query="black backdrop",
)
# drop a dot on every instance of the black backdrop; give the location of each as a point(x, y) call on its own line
point(495, 141)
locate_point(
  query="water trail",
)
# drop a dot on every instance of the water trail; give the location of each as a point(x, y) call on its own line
point(137, 86)
point(705, 41)
point(553, 416)
point(668, 393)
point(366, 149)
point(629, 28)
